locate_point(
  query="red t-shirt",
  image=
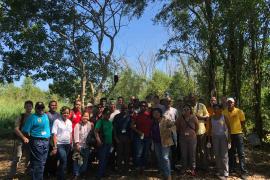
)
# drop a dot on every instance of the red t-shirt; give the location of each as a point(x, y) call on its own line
point(143, 123)
point(75, 117)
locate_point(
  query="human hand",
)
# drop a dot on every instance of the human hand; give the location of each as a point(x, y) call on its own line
point(25, 140)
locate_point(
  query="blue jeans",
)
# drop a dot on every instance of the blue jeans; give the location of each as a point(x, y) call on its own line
point(142, 151)
point(237, 146)
point(62, 153)
point(103, 156)
point(77, 169)
point(38, 155)
point(163, 157)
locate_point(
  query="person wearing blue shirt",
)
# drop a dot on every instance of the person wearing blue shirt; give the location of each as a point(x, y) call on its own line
point(37, 127)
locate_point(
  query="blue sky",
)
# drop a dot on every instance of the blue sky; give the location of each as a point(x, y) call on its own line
point(139, 37)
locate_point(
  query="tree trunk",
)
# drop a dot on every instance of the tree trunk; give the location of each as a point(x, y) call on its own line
point(83, 85)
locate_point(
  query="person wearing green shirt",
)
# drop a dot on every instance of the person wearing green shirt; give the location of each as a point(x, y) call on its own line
point(103, 133)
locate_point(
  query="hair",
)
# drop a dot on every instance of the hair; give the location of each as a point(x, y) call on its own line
point(156, 96)
point(189, 106)
point(64, 108)
point(106, 111)
point(120, 97)
point(52, 101)
point(84, 112)
point(29, 102)
point(158, 110)
point(217, 105)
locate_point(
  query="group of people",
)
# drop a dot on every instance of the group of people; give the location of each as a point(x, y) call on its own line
point(126, 133)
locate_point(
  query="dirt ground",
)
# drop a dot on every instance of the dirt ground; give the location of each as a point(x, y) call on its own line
point(258, 163)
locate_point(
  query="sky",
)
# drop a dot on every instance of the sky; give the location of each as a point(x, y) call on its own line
point(139, 37)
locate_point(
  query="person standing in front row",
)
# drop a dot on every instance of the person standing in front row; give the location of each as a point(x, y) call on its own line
point(237, 123)
point(37, 127)
point(163, 140)
point(219, 129)
point(21, 142)
point(200, 111)
point(62, 138)
point(187, 126)
point(81, 131)
point(103, 133)
point(142, 124)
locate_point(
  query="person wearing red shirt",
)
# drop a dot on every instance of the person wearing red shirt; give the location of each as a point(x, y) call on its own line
point(75, 114)
point(142, 124)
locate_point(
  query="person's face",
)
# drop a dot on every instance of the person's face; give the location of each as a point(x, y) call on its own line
point(40, 110)
point(217, 110)
point(213, 100)
point(186, 110)
point(104, 102)
point(28, 108)
point(156, 100)
point(156, 115)
point(89, 109)
point(53, 106)
point(85, 117)
point(193, 99)
point(224, 100)
point(112, 107)
point(65, 113)
point(100, 109)
point(120, 101)
point(143, 107)
point(230, 104)
point(78, 105)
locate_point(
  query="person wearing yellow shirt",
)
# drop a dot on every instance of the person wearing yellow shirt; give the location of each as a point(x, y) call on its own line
point(236, 119)
point(202, 115)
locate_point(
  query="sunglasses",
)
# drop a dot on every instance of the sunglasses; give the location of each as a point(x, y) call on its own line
point(186, 109)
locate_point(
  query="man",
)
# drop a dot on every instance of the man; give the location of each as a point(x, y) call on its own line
point(202, 114)
point(141, 125)
point(21, 146)
point(113, 110)
point(156, 103)
point(98, 114)
point(224, 102)
point(89, 108)
point(104, 134)
point(120, 102)
point(122, 133)
point(103, 102)
point(236, 119)
point(37, 128)
point(51, 163)
point(171, 114)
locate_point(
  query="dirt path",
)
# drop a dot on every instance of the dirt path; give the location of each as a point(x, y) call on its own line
point(258, 165)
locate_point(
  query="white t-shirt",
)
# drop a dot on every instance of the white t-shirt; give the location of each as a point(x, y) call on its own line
point(62, 130)
point(114, 114)
point(81, 132)
point(171, 114)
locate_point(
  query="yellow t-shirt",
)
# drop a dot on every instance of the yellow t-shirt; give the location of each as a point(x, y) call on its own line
point(200, 110)
point(235, 117)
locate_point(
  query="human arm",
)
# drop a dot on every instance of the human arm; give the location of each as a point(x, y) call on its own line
point(205, 115)
point(18, 131)
point(97, 131)
point(133, 127)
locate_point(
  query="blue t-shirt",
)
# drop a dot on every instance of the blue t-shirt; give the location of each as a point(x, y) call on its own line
point(37, 126)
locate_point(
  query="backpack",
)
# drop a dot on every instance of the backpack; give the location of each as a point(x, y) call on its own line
point(91, 140)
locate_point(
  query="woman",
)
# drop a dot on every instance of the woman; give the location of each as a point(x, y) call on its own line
point(161, 133)
point(219, 128)
point(62, 138)
point(187, 126)
point(81, 131)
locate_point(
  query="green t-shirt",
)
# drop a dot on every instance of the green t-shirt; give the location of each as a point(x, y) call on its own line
point(107, 130)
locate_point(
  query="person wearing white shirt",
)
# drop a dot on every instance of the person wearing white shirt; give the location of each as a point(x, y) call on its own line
point(62, 138)
point(113, 110)
point(81, 131)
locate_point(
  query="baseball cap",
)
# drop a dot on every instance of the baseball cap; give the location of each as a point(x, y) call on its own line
point(89, 105)
point(230, 99)
point(39, 105)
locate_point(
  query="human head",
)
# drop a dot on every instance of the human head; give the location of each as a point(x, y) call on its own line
point(52, 106)
point(193, 99)
point(65, 111)
point(77, 105)
point(85, 117)
point(120, 100)
point(100, 108)
point(132, 98)
point(89, 108)
point(28, 106)
point(39, 108)
point(103, 101)
point(106, 113)
point(187, 110)
point(131, 107)
point(124, 108)
point(230, 103)
point(167, 102)
point(112, 105)
point(213, 100)
point(156, 99)
point(156, 113)
point(143, 106)
point(217, 109)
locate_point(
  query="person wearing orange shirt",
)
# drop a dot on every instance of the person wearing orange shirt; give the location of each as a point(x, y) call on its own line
point(236, 119)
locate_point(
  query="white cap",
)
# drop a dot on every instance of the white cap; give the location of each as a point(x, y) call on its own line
point(89, 104)
point(230, 99)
